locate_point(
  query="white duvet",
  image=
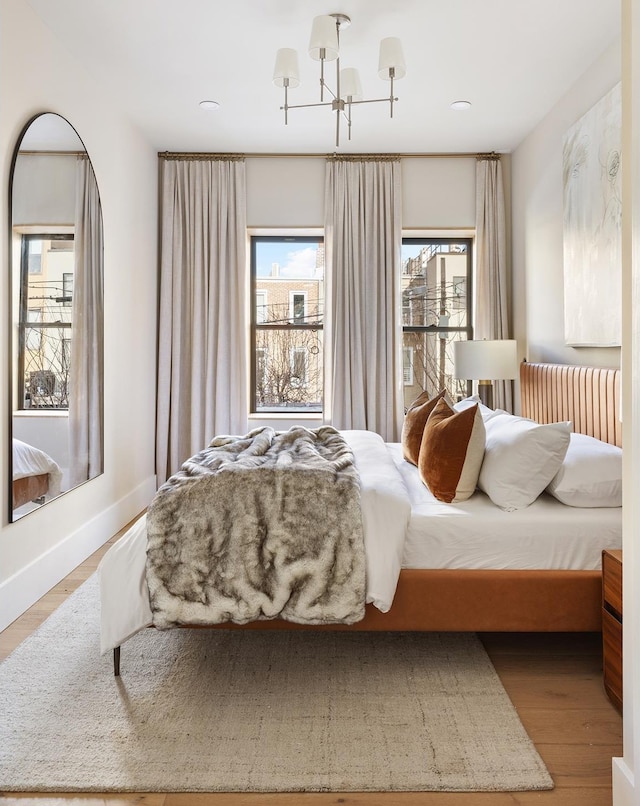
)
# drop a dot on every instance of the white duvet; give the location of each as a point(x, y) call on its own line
point(386, 511)
point(30, 461)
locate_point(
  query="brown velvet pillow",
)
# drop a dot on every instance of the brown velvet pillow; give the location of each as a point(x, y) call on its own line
point(414, 422)
point(451, 452)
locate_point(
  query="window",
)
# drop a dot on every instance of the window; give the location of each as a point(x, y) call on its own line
point(44, 325)
point(67, 289)
point(287, 305)
point(436, 286)
point(407, 366)
point(299, 365)
point(298, 306)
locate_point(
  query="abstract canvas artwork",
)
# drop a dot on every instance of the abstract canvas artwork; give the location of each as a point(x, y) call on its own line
point(592, 226)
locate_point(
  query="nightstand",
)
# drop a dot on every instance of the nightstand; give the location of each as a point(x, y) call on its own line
point(612, 624)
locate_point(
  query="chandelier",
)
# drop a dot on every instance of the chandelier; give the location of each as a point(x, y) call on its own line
point(324, 46)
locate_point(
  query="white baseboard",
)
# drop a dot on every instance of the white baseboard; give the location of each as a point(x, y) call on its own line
point(624, 791)
point(23, 589)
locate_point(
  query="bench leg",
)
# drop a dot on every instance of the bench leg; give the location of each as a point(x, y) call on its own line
point(116, 661)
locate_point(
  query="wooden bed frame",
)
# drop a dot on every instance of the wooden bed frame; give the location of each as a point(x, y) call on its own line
point(503, 600)
point(29, 488)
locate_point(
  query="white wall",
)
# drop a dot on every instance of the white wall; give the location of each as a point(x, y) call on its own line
point(44, 546)
point(437, 193)
point(536, 184)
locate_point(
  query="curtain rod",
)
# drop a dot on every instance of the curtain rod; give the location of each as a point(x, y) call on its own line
point(52, 154)
point(196, 155)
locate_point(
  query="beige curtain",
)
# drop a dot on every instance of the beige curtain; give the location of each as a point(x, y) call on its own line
point(363, 349)
point(202, 350)
point(87, 332)
point(492, 272)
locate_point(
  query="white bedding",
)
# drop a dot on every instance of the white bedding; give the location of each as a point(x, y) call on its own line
point(30, 461)
point(385, 512)
point(478, 534)
point(404, 526)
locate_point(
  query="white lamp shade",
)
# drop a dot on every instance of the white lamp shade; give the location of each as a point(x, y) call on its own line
point(391, 56)
point(350, 86)
point(286, 68)
point(486, 359)
point(324, 35)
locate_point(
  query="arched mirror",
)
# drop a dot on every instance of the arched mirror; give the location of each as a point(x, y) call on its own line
point(56, 316)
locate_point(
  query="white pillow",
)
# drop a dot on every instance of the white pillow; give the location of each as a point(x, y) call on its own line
point(520, 459)
point(467, 402)
point(590, 475)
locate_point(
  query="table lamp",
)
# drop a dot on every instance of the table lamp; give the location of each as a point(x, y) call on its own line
point(486, 361)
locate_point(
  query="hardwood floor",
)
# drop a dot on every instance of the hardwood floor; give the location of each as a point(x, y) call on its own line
point(554, 681)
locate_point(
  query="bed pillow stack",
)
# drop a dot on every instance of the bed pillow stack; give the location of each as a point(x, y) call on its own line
point(451, 452)
point(521, 458)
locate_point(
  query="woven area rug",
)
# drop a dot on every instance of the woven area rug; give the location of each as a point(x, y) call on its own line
point(208, 711)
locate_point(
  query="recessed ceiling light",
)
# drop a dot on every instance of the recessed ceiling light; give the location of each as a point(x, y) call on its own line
point(461, 105)
point(209, 106)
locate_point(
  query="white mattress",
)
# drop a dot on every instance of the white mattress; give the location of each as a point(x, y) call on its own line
point(478, 534)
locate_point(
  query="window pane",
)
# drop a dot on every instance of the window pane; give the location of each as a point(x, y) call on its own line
point(46, 367)
point(288, 297)
point(436, 277)
point(431, 369)
point(289, 275)
point(434, 284)
point(48, 284)
point(288, 370)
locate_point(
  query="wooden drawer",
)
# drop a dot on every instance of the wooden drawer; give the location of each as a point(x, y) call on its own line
point(612, 657)
point(612, 583)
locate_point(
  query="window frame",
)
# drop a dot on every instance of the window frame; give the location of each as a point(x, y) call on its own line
point(24, 324)
point(256, 237)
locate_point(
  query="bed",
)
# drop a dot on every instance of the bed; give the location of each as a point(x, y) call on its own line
point(35, 475)
point(533, 596)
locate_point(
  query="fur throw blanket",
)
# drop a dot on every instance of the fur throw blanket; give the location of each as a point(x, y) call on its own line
point(261, 526)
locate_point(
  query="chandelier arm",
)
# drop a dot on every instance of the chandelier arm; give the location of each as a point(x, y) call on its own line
point(306, 106)
point(330, 91)
point(372, 101)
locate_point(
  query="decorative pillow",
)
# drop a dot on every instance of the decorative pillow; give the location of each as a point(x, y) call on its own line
point(590, 475)
point(414, 422)
point(520, 459)
point(451, 452)
point(467, 402)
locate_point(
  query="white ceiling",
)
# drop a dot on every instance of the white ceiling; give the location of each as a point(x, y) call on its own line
point(513, 59)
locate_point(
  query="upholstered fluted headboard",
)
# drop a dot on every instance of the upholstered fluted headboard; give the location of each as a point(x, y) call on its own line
point(588, 396)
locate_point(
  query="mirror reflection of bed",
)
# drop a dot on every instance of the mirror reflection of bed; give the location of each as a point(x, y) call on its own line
point(37, 478)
